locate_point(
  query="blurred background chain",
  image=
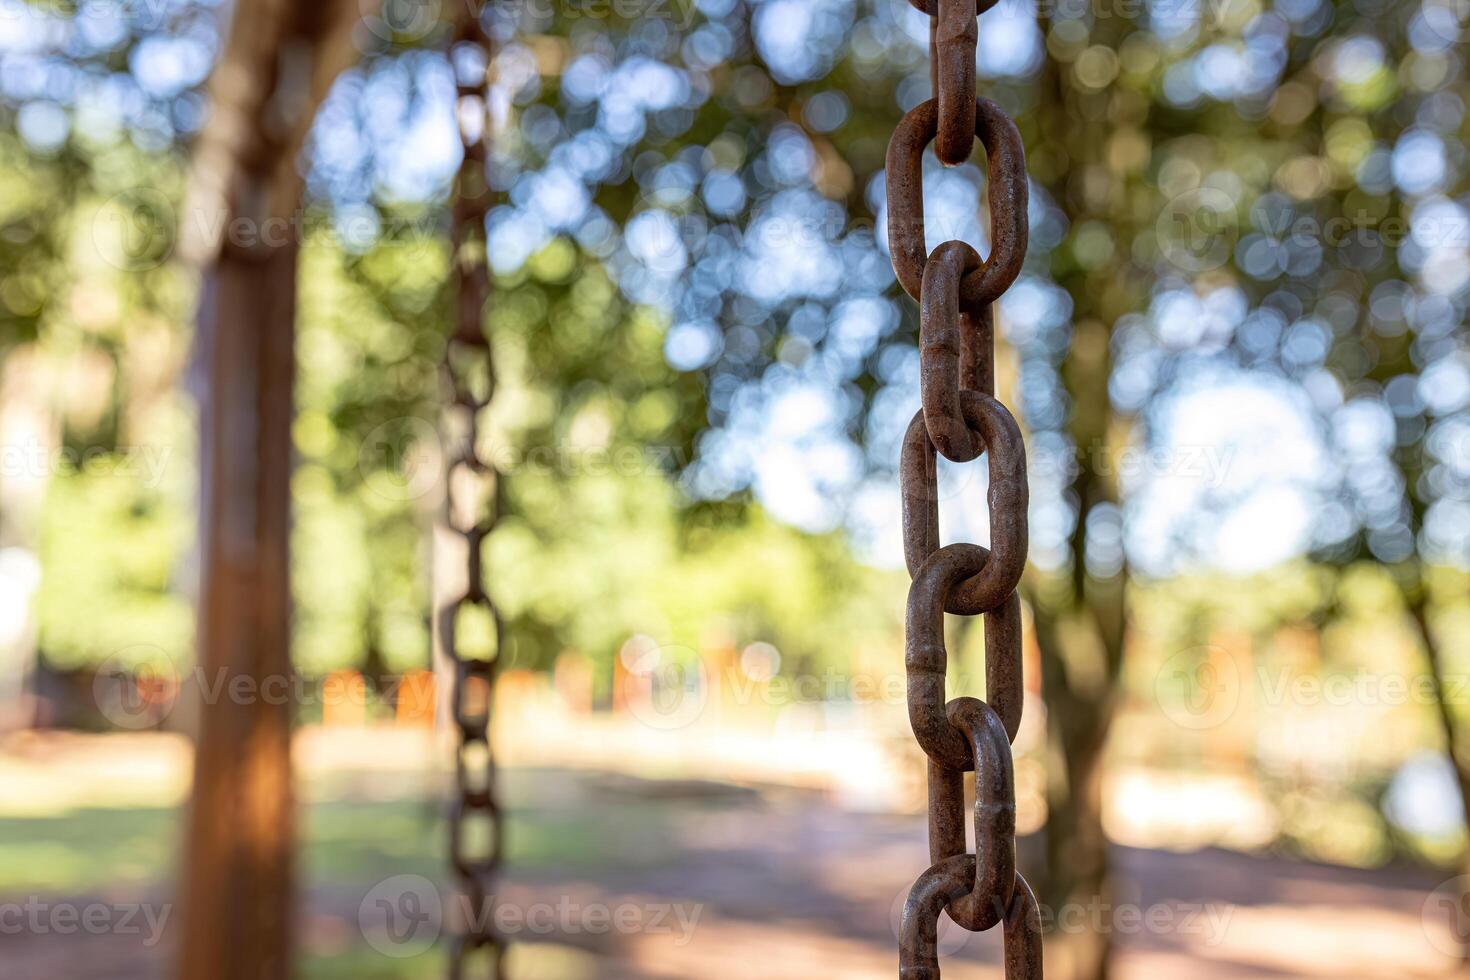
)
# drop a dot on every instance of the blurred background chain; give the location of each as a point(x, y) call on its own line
point(470, 626)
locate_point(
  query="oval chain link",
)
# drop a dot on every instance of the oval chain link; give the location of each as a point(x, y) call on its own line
point(961, 419)
point(474, 491)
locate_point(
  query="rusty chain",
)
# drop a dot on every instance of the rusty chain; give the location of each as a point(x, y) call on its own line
point(961, 419)
point(474, 493)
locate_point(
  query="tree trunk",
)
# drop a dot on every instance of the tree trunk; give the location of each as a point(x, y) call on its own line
point(1418, 604)
point(1080, 630)
point(241, 228)
point(1449, 724)
point(1079, 616)
point(1075, 879)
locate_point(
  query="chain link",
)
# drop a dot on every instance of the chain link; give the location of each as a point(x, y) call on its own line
point(474, 494)
point(961, 419)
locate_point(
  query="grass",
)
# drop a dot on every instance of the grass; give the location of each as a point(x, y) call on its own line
point(87, 850)
point(345, 842)
point(348, 845)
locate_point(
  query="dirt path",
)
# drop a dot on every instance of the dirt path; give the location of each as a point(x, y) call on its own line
point(624, 879)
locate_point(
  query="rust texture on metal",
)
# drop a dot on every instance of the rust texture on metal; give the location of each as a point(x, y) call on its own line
point(946, 881)
point(1008, 497)
point(926, 660)
point(1008, 195)
point(995, 814)
point(931, 7)
point(961, 419)
point(954, 39)
point(474, 494)
point(947, 342)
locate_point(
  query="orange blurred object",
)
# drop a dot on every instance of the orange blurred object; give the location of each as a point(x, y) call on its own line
point(416, 699)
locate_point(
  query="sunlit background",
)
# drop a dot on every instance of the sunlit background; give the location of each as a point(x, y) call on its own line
point(1237, 350)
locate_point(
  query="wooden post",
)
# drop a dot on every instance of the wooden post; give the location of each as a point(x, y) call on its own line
point(240, 228)
point(237, 883)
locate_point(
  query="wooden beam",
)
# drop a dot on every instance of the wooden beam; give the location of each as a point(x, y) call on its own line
point(237, 893)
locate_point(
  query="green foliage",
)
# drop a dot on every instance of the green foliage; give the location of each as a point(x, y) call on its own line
point(110, 549)
point(34, 202)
